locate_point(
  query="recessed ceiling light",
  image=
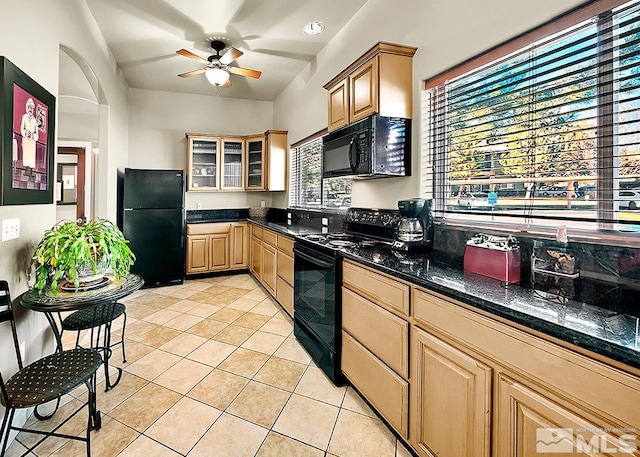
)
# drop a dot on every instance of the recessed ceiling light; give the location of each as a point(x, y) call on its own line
point(313, 28)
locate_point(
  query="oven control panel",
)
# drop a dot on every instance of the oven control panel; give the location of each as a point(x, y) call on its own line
point(377, 217)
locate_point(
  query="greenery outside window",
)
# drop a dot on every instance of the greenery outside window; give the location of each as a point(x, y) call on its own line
point(547, 135)
point(307, 189)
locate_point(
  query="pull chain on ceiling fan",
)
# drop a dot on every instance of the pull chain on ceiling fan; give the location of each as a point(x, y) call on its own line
point(217, 66)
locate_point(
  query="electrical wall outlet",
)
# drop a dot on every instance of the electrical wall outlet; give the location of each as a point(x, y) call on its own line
point(325, 221)
point(263, 204)
point(325, 230)
point(198, 205)
point(10, 229)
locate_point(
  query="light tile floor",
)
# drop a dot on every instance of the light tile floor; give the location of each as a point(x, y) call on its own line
point(213, 369)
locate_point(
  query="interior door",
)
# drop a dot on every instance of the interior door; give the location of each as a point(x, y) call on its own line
point(77, 183)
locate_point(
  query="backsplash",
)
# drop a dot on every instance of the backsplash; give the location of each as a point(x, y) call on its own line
point(603, 269)
point(307, 219)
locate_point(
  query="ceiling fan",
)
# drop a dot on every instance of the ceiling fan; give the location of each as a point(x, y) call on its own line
point(217, 66)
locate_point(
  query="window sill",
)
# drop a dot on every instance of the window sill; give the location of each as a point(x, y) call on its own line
point(602, 237)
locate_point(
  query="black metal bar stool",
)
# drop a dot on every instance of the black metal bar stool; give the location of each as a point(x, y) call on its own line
point(46, 380)
point(95, 319)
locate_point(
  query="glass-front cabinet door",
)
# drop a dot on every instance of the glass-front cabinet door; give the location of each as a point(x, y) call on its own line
point(203, 163)
point(232, 152)
point(255, 163)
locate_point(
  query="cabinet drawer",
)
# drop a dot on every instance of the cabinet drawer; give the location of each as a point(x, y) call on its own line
point(256, 231)
point(381, 289)
point(206, 229)
point(269, 237)
point(384, 334)
point(384, 389)
point(285, 267)
point(285, 244)
point(284, 295)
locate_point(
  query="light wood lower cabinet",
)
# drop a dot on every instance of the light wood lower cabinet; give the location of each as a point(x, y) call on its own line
point(197, 254)
point(239, 245)
point(284, 278)
point(382, 333)
point(219, 251)
point(543, 397)
point(217, 246)
point(375, 341)
point(477, 385)
point(268, 273)
point(530, 424)
point(450, 399)
point(272, 264)
point(284, 295)
point(386, 291)
point(256, 251)
point(384, 389)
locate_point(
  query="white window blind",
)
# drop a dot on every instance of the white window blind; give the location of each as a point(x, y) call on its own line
point(306, 175)
point(307, 189)
point(548, 135)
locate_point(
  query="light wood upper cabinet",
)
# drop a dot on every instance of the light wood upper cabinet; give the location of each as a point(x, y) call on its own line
point(256, 162)
point(255, 169)
point(450, 399)
point(379, 82)
point(232, 153)
point(277, 149)
point(363, 87)
point(339, 105)
point(203, 157)
point(266, 162)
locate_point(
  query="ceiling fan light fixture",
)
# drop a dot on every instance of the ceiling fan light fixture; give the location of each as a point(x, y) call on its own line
point(217, 76)
point(313, 28)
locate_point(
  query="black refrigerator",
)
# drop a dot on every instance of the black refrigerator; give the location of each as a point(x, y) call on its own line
point(151, 216)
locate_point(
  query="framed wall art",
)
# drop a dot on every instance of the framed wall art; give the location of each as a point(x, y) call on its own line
point(27, 138)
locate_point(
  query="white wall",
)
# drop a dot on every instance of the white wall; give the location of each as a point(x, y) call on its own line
point(159, 121)
point(31, 33)
point(446, 32)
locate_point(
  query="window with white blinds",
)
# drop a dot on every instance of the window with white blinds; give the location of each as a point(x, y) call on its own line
point(307, 189)
point(547, 135)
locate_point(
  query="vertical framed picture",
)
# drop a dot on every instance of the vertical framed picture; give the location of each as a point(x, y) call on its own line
point(27, 138)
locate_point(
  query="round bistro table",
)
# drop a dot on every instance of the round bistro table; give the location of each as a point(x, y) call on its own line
point(96, 298)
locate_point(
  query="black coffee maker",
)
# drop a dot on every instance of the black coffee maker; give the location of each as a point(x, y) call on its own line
point(415, 227)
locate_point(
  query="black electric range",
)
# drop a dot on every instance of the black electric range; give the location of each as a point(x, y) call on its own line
point(318, 282)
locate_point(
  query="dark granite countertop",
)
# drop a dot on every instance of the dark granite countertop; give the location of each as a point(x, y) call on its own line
point(202, 216)
point(611, 330)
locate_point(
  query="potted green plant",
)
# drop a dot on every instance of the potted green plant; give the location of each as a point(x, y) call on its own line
point(78, 253)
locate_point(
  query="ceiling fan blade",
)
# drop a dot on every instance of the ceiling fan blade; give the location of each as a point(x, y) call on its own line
point(245, 72)
point(192, 73)
point(231, 55)
point(191, 55)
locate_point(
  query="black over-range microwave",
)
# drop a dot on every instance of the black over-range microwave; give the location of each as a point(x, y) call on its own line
point(377, 146)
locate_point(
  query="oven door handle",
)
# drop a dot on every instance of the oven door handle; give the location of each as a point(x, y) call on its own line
point(313, 260)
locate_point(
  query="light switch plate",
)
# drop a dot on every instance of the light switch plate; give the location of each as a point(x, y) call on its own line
point(10, 229)
point(325, 221)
